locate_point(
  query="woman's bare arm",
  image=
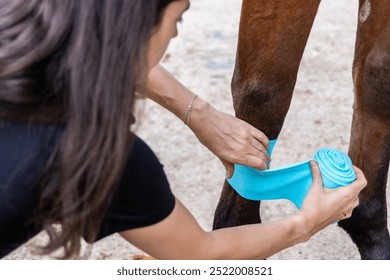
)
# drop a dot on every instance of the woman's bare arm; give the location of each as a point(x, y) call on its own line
point(179, 236)
point(229, 138)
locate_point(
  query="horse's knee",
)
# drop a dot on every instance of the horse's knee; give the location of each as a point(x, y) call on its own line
point(262, 101)
point(256, 95)
point(377, 83)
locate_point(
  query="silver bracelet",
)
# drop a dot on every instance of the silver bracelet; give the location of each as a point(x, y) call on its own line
point(188, 116)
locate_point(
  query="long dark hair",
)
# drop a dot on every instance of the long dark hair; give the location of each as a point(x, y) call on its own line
point(75, 63)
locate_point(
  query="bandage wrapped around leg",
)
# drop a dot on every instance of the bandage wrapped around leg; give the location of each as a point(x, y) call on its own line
point(292, 182)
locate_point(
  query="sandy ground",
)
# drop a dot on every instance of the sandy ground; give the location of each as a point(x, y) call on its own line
point(320, 116)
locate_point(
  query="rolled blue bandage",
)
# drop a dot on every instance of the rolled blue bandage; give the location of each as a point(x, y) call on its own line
point(292, 182)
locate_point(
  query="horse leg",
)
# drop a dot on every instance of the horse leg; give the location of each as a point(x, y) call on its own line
point(272, 38)
point(370, 135)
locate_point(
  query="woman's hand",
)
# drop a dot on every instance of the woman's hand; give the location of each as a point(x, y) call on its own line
point(229, 138)
point(324, 206)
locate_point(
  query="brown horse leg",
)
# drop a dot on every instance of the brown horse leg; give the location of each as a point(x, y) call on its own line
point(272, 38)
point(370, 135)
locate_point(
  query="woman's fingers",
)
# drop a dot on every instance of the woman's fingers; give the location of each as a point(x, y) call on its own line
point(356, 202)
point(260, 149)
point(351, 193)
point(360, 178)
point(251, 147)
point(261, 137)
point(260, 161)
point(360, 183)
point(316, 174)
point(257, 144)
point(229, 168)
point(235, 141)
point(352, 190)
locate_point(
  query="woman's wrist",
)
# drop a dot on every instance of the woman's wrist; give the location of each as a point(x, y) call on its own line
point(189, 111)
point(301, 228)
point(201, 112)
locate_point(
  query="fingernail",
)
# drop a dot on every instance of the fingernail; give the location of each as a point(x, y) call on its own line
point(268, 158)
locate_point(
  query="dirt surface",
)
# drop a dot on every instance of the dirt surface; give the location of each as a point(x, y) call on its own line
point(320, 116)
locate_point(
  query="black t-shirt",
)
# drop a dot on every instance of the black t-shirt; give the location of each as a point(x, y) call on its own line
point(143, 197)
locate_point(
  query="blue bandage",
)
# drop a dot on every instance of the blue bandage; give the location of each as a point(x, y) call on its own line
point(292, 182)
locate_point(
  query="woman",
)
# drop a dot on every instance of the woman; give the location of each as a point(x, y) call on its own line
point(68, 74)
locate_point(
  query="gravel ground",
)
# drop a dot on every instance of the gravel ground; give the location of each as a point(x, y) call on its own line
point(320, 116)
